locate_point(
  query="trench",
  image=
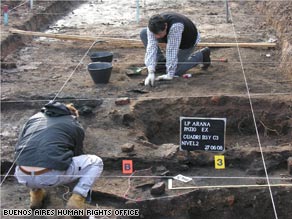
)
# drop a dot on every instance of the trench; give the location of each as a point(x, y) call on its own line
point(160, 118)
point(152, 124)
point(163, 128)
point(36, 22)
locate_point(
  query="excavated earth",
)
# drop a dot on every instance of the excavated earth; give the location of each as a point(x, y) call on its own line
point(252, 91)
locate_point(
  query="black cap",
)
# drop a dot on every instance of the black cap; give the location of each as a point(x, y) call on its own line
point(55, 109)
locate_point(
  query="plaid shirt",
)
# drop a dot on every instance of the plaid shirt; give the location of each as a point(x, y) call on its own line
point(173, 42)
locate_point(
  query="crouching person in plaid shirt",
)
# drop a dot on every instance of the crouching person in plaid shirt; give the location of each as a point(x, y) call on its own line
point(181, 36)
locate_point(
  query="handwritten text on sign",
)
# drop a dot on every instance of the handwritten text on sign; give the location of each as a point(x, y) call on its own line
point(207, 134)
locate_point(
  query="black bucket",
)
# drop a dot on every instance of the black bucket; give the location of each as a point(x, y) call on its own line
point(100, 72)
point(101, 56)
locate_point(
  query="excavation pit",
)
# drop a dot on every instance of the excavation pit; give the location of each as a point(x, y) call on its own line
point(160, 118)
point(34, 71)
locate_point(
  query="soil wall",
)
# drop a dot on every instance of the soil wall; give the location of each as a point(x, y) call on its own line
point(39, 21)
point(278, 14)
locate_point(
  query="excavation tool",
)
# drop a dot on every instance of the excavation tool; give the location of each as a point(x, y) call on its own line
point(132, 71)
point(130, 43)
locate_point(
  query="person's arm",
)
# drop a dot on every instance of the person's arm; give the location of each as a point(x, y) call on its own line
point(173, 42)
point(150, 57)
point(151, 51)
point(78, 150)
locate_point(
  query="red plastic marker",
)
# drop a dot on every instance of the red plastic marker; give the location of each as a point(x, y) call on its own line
point(127, 166)
point(187, 76)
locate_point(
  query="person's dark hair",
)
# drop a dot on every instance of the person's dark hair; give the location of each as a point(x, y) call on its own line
point(156, 24)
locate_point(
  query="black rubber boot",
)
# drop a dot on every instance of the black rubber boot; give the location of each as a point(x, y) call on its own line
point(206, 58)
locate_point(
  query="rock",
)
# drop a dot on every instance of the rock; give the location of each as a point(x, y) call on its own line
point(162, 171)
point(168, 150)
point(122, 101)
point(230, 200)
point(215, 99)
point(85, 110)
point(161, 168)
point(183, 167)
point(158, 189)
point(128, 147)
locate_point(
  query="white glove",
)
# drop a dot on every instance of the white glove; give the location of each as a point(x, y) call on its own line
point(164, 78)
point(150, 79)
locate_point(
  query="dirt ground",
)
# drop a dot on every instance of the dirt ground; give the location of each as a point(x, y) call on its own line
point(252, 89)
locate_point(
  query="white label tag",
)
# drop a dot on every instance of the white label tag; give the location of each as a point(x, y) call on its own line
point(182, 178)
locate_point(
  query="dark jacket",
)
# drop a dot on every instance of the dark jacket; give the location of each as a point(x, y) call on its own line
point(190, 33)
point(50, 139)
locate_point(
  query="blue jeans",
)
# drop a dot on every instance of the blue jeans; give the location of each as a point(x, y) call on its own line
point(187, 59)
point(86, 168)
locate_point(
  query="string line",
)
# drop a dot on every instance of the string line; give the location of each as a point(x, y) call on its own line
point(254, 119)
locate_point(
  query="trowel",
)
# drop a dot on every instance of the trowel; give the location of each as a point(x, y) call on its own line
point(134, 70)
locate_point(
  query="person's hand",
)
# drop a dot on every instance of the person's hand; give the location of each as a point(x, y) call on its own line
point(165, 77)
point(150, 79)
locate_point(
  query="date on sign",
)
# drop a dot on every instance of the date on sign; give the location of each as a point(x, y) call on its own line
point(213, 147)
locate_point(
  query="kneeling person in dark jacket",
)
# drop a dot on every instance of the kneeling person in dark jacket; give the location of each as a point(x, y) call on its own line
point(49, 153)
